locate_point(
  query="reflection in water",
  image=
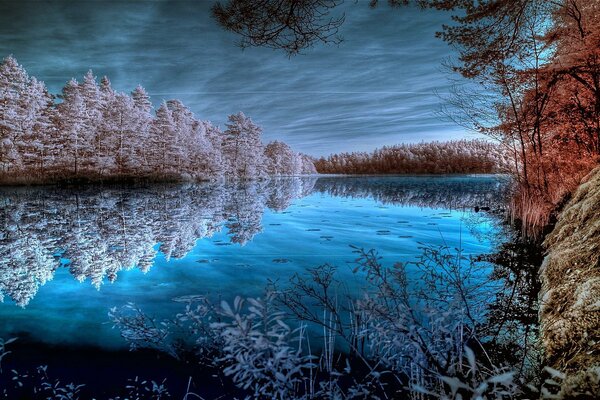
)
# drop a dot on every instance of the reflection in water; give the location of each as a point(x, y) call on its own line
point(450, 192)
point(95, 232)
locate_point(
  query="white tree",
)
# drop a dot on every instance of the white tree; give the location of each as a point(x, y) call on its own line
point(307, 166)
point(73, 135)
point(280, 159)
point(96, 132)
point(35, 126)
point(104, 142)
point(121, 136)
point(143, 120)
point(14, 82)
point(204, 155)
point(92, 121)
point(242, 148)
point(182, 146)
point(166, 152)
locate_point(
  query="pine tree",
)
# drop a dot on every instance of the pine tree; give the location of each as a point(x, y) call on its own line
point(210, 142)
point(141, 99)
point(181, 146)
point(35, 106)
point(13, 84)
point(162, 137)
point(93, 161)
point(242, 148)
point(121, 120)
point(73, 135)
point(95, 132)
point(143, 119)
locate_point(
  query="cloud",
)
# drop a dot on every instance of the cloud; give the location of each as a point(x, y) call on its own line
point(377, 88)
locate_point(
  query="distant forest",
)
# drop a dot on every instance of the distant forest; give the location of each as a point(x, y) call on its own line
point(93, 132)
point(453, 157)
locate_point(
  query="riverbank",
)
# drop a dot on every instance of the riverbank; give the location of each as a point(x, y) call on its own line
point(570, 293)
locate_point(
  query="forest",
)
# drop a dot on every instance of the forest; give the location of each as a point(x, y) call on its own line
point(92, 132)
point(453, 157)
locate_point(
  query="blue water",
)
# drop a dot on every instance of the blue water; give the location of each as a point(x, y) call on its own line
point(68, 255)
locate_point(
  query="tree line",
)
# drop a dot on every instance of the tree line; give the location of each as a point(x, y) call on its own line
point(452, 157)
point(91, 131)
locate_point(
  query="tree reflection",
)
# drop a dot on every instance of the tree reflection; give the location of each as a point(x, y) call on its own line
point(97, 231)
point(449, 192)
point(512, 323)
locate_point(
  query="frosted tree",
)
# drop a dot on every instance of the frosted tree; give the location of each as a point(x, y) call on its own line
point(122, 138)
point(73, 138)
point(204, 150)
point(280, 159)
point(106, 90)
point(214, 158)
point(143, 119)
point(14, 82)
point(242, 148)
point(95, 132)
point(104, 146)
point(141, 99)
point(163, 154)
point(307, 165)
point(35, 126)
point(182, 142)
point(92, 120)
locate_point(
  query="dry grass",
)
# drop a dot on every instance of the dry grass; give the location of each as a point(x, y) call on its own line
point(539, 196)
point(531, 211)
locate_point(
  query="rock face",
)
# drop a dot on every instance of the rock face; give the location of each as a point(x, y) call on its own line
point(570, 275)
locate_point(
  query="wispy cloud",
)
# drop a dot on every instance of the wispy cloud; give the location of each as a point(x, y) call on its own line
point(378, 87)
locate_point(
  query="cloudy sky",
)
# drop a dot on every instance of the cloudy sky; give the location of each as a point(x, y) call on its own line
point(383, 85)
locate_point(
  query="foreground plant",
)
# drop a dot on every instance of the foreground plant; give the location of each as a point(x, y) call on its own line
point(414, 329)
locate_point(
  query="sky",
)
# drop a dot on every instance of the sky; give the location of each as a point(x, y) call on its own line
point(383, 85)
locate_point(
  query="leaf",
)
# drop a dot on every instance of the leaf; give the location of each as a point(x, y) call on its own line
point(471, 358)
point(554, 373)
point(280, 377)
point(454, 383)
point(283, 324)
point(505, 378)
point(226, 309)
point(421, 389)
point(237, 303)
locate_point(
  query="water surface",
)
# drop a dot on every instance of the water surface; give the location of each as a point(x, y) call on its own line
point(69, 254)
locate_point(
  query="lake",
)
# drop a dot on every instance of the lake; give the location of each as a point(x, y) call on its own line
point(67, 255)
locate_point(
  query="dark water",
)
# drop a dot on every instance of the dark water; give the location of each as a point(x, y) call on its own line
point(69, 254)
